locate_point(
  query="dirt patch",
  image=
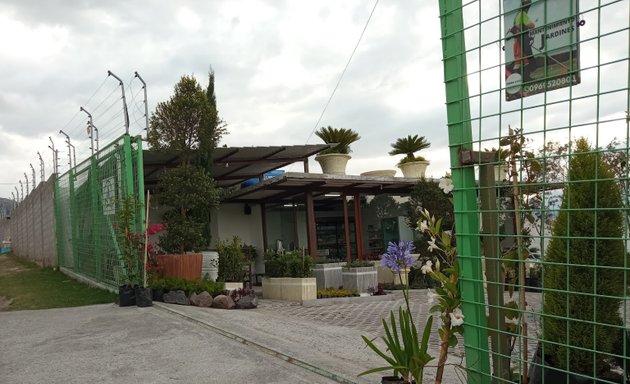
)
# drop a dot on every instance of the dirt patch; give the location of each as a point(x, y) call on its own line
point(9, 267)
point(5, 303)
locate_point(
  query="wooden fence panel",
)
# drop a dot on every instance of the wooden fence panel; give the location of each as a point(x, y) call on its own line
point(186, 266)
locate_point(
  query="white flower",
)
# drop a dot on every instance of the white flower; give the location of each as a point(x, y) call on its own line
point(432, 296)
point(424, 226)
point(446, 185)
point(432, 245)
point(427, 267)
point(457, 317)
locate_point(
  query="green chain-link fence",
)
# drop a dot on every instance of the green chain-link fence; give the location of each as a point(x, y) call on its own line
point(537, 99)
point(86, 201)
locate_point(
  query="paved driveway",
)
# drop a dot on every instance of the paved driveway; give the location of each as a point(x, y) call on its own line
point(108, 344)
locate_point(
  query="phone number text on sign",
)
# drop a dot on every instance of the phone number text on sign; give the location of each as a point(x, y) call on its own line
point(558, 82)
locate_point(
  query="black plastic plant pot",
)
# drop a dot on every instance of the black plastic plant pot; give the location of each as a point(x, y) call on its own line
point(126, 296)
point(143, 297)
point(158, 294)
point(391, 380)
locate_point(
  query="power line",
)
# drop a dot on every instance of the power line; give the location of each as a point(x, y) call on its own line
point(343, 72)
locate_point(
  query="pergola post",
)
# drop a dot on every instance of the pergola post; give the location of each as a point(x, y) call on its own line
point(346, 225)
point(358, 226)
point(310, 225)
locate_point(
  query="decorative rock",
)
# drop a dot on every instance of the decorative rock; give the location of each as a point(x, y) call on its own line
point(176, 297)
point(201, 300)
point(223, 302)
point(247, 302)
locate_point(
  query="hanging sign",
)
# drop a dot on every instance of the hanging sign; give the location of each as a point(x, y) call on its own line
point(541, 46)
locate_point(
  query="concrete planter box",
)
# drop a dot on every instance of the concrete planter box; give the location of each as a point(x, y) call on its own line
point(359, 278)
point(328, 275)
point(387, 276)
point(289, 288)
point(231, 285)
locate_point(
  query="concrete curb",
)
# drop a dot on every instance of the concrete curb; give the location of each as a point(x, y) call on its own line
point(289, 359)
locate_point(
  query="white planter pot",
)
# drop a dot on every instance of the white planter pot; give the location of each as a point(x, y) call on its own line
point(210, 265)
point(380, 173)
point(414, 169)
point(333, 163)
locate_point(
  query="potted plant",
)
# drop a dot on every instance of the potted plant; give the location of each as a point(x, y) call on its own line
point(334, 159)
point(411, 165)
point(360, 275)
point(288, 276)
point(231, 263)
point(130, 247)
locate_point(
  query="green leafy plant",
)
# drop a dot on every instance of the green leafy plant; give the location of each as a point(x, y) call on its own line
point(446, 298)
point(408, 146)
point(129, 243)
point(359, 264)
point(185, 189)
point(341, 137)
point(288, 264)
point(190, 286)
point(336, 292)
point(231, 260)
point(585, 255)
point(405, 353)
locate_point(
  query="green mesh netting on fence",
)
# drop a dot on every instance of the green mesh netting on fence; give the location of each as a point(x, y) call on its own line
point(87, 199)
point(537, 99)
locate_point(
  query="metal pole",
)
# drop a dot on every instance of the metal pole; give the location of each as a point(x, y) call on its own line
point(96, 140)
point(90, 125)
point(74, 155)
point(146, 106)
point(122, 88)
point(69, 148)
point(17, 194)
point(55, 153)
point(33, 171)
point(14, 201)
point(41, 167)
point(22, 188)
point(27, 187)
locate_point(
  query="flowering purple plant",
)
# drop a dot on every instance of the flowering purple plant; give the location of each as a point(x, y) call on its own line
point(398, 256)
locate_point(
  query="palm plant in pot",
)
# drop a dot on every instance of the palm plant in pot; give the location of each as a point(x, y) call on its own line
point(411, 165)
point(334, 159)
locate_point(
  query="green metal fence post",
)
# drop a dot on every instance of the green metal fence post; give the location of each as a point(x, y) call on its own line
point(128, 188)
point(96, 222)
point(465, 193)
point(140, 183)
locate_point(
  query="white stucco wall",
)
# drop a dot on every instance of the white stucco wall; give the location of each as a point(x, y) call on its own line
point(230, 220)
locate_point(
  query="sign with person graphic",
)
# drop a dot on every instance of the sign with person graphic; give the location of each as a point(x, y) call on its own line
point(541, 46)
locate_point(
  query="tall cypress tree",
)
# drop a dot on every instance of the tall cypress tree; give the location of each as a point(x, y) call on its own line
point(583, 269)
point(187, 123)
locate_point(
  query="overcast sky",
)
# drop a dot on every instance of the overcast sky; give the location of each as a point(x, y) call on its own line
point(276, 63)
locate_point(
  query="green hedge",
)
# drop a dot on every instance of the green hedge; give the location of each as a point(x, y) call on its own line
point(288, 264)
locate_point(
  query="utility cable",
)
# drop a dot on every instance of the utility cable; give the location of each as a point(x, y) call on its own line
point(343, 72)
